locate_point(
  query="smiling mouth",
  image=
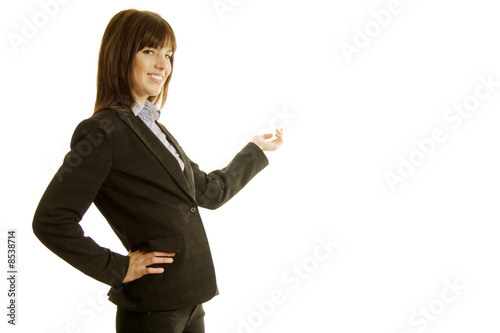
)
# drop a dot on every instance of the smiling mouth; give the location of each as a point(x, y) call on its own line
point(156, 78)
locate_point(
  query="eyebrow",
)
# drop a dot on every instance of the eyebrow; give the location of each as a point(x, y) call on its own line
point(157, 48)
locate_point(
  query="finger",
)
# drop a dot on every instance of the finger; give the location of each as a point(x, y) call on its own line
point(151, 270)
point(157, 260)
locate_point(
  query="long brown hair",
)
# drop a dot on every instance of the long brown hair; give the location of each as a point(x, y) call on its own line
point(127, 33)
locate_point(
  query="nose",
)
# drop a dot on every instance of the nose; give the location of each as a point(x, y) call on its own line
point(163, 64)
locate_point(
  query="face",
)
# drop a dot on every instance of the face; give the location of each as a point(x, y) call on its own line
point(150, 71)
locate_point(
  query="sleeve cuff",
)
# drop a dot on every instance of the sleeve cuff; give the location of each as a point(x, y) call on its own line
point(260, 154)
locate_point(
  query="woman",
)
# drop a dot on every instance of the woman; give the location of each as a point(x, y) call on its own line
point(142, 182)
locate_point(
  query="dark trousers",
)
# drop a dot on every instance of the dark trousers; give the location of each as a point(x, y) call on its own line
point(184, 320)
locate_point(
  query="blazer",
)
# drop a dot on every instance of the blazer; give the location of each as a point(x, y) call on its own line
point(117, 163)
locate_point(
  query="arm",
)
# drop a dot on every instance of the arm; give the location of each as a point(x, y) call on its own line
point(217, 187)
point(67, 198)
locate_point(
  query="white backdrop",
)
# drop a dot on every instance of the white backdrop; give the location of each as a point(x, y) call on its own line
point(378, 214)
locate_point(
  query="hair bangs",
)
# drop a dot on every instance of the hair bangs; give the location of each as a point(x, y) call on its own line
point(158, 34)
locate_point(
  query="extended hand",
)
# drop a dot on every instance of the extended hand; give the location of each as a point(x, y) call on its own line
point(140, 260)
point(260, 140)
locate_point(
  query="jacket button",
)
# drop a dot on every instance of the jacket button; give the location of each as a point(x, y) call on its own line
point(193, 209)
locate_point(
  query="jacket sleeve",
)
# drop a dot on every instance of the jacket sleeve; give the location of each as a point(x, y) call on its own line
point(217, 187)
point(67, 198)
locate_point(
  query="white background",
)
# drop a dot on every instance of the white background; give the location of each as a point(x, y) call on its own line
point(348, 123)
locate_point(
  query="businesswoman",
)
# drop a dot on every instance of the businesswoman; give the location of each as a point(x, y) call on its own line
point(141, 180)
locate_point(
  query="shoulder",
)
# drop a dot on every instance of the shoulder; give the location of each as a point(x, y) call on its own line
point(105, 120)
point(102, 123)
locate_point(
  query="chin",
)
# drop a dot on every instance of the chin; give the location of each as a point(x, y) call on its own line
point(154, 93)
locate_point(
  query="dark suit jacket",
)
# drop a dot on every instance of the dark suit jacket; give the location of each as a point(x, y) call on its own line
point(151, 204)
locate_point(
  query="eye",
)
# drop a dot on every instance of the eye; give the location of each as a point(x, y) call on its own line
point(150, 51)
point(168, 56)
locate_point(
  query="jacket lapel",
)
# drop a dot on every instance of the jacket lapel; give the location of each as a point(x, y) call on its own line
point(188, 171)
point(159, 150)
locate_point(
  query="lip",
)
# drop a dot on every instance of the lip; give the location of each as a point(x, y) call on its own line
point(156, 80)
